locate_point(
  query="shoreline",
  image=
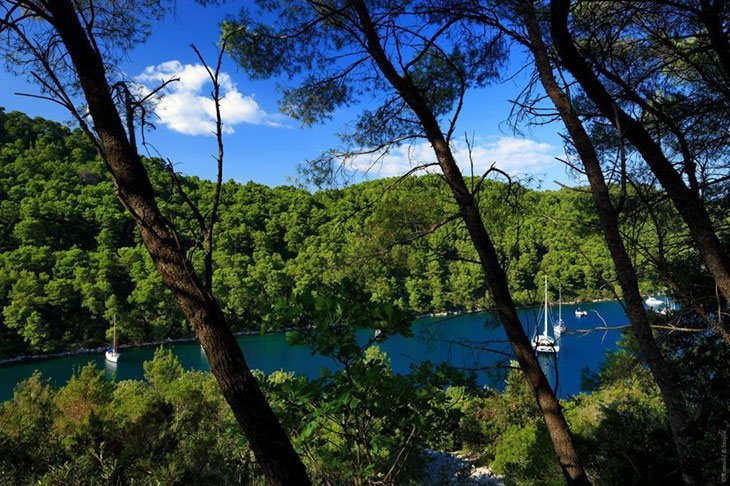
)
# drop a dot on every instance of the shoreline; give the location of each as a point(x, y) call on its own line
point(100, 349)
point(23, 358)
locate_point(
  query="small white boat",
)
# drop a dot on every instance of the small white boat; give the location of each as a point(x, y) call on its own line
point(653, 302)
point(580, 312)
point(544, 343)
point(112, 354)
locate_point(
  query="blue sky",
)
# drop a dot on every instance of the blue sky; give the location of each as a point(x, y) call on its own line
point(262, 145)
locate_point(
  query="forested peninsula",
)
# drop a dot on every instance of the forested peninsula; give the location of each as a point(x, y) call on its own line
point(71, 261)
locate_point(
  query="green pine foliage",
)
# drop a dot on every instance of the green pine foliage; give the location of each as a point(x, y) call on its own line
point(71, 261)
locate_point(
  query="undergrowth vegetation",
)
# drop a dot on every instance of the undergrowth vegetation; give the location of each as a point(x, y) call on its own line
point(363, 424)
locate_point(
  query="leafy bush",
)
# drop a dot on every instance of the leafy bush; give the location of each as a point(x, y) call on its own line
point(525, 456)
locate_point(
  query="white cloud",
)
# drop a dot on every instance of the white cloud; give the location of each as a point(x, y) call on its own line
point(186, 105)
point(515, 156)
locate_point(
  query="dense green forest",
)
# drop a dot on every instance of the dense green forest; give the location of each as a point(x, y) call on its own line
point(94, 232)
point(71, 261)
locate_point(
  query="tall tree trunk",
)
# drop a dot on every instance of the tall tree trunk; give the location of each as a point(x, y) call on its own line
point(688, 203)
point(268, 440)
point(547, 401)
point(711, 15)
point(664, 374)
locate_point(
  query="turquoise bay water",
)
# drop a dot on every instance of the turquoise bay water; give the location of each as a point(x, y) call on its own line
point(472, 341)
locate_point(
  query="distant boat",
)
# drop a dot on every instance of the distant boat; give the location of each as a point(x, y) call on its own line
point(559, 326)
point(653, 302)
point(112, 354)
point(580, 312)
point(544, 343)
point(377, 333)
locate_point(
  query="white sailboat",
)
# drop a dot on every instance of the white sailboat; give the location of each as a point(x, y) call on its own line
point(544, 343)
point(112, 354)
point(559, 326)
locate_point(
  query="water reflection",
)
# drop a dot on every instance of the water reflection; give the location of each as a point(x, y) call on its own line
point(110, 370)
point(549, 365)
point(203, 357)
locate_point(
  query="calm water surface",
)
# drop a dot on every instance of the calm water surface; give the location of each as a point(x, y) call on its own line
point(459, 341)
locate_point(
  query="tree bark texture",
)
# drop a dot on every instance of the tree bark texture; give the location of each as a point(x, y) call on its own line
point(547, 401)
point(662, 371)
point(711, 15)
point(268, 440)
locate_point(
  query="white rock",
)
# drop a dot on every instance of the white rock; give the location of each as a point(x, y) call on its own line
point(454, 469)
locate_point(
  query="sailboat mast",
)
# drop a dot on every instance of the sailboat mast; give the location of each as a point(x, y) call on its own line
point(115, 334)
point(545, 333)
point(560, 304)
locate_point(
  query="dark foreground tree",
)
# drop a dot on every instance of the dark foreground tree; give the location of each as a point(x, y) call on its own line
point(663, 372)
point(53, 33)
point(421, 71)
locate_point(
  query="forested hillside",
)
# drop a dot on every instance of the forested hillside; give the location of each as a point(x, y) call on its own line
point(95, 233)
point(71, 261)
